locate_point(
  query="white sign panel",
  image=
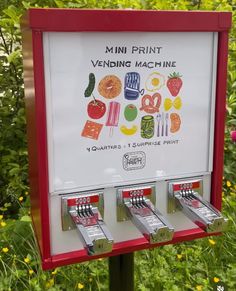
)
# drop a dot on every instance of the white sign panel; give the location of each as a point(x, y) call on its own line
point(128, 107)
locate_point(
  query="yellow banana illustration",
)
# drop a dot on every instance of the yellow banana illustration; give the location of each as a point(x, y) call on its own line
point(128, 131)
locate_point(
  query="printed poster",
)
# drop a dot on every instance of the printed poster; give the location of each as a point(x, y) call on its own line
point(126, 108)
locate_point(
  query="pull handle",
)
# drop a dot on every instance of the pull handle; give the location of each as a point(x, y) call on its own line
point(201, 212)
point(148, 220)
point(93, 230)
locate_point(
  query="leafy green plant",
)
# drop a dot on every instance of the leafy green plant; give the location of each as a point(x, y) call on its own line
point(13, 153)
point(186, 266)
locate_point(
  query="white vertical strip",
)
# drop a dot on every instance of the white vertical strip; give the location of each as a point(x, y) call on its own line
point(48, 94)
point(213, 101)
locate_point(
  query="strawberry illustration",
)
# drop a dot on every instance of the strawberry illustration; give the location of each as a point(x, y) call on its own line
point(174, 83)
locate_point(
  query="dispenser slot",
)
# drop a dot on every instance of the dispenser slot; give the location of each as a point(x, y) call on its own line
point(136, 204)
point(186, 196)
point(81, 211)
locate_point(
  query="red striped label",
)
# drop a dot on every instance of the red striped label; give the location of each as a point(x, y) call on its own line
point(136, 192)
point(82, 200)
point(86, 221)
point(186, 186)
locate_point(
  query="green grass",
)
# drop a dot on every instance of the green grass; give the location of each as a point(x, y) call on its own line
point(191, 265)
point(194, 265)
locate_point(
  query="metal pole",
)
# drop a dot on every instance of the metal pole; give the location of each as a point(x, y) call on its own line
point(121, 272)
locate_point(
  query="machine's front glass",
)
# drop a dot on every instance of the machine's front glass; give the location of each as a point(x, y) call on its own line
point(126, 108)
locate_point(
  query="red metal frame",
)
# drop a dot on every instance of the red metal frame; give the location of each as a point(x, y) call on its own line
point(220, 112)
point(41, 20)
point(127, 20)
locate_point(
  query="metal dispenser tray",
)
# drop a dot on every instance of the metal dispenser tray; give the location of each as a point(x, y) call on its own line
point(187, 197)
point(135, 204)
point(81, 211)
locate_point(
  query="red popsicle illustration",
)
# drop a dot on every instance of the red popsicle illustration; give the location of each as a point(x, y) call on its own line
point(113, 116)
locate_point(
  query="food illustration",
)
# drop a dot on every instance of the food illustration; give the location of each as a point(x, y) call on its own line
point(110, 86)
point(174, 84)
point(132, 86)
point(113, 115)
point(89, 90)
point(92, 130)
point(175, 122)
point(154, 82)
point(147, 126)
point(168, 103)
point(151, 104)
point(128, 131)
point(96, 109)
point(130, 112)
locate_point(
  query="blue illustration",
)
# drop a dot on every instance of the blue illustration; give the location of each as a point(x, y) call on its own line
point(132, 86)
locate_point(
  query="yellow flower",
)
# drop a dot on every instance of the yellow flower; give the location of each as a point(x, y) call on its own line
point(228, 183)
point(26, 193)
point(26, 260)
point(31, 271)
point(80, 286)
point(5, 250)
point(216, 280)
point(3, 223)
point(1, 217)
point(179, 256)
point(20, 198)
point(100, 259)
point(199, 287)
point(211, 242)
point(223, 194)
point(54, 272)
point(50, 283)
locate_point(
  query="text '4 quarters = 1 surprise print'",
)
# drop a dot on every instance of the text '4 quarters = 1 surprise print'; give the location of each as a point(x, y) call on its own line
point(157, 121)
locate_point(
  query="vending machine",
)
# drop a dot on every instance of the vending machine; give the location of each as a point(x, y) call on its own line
point(125, 125)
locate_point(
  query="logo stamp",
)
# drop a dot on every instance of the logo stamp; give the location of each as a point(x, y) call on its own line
point(134, 161)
